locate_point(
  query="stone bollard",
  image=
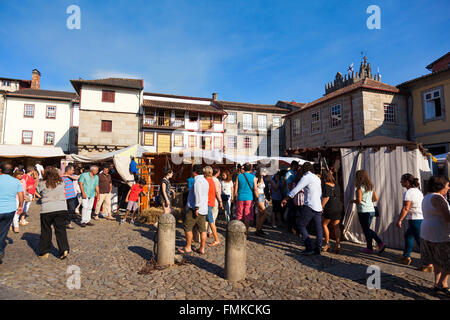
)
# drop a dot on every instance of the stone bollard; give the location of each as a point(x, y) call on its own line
point(166, 240)
point(236, 251)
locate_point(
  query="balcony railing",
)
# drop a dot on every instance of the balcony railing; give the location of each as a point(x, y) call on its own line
point(160, 121)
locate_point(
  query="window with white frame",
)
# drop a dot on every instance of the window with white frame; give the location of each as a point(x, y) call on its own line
point(262, 122)
point(27, 137)
point(296, 130)
point(247, 120)
point(315, 122)
point(247, 142)
point(232, 117)
point(232, 142)
point(50, 113)
point(28, 111)
point(49, 138)
point(433, 104)
point(276, 121)
point(335, 116)
point(389, 113)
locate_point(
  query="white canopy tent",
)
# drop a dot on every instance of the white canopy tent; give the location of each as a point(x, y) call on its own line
point(385, 167)
point(121, 159)
point(16, 151)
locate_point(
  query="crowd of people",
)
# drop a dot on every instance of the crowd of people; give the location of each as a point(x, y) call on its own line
point(299, 196)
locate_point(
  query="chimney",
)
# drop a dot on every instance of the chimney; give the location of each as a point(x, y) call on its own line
point(214, 96)
point(36, 80)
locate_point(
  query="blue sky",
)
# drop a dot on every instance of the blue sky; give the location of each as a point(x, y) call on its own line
point(256, 51)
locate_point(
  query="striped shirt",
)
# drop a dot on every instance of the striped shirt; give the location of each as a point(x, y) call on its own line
point(69, 188)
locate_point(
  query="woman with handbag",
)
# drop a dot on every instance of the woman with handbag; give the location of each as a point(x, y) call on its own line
point(365, 197)
point(245, 193)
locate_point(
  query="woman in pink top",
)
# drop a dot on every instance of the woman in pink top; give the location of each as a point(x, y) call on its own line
point(18, 174)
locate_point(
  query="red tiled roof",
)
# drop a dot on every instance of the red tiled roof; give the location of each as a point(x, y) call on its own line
point(430, 66)
point(137, 84)
point(361, 84)
point(45, 94)
point(250, 106)
point(182, 106)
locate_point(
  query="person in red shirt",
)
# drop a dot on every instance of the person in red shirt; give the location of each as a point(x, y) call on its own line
point(212, 194)
point(133, 200)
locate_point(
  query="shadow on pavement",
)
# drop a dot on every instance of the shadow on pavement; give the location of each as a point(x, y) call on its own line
point(205, 265)
point(143, 252)
point(32, 240)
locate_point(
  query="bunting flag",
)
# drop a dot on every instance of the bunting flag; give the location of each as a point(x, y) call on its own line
point(350, 68)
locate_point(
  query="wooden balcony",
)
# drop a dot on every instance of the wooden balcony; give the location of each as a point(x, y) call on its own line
point(162, 122)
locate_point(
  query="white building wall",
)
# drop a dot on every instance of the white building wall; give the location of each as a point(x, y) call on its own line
point(15, 122)
point(13, 85)
point(126, 100)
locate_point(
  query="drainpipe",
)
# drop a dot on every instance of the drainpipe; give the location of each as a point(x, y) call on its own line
point(351, 117)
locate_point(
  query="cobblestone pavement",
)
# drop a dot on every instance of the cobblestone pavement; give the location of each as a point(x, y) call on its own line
point(110, 257)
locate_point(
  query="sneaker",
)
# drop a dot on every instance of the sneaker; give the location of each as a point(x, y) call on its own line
point(83, 225)
point(365, 250)
point(44, 256)
point(405, 260)
point(122, 221)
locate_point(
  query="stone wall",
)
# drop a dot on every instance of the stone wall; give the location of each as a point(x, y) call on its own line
point(327, 134)
point(374, 122)
point(368, 120)
point(125, 131)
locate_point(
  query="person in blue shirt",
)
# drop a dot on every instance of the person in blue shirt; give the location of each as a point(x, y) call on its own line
point(133, 168)
point(10, 190)
point(290, 179)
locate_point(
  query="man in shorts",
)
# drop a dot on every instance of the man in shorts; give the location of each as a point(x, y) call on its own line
point(133, 200)
point(197, 210)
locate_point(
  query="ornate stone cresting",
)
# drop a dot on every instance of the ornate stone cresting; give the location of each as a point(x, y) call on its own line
point(365, 71)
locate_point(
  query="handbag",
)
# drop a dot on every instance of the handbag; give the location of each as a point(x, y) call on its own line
point(254, 198)
point(377, 212)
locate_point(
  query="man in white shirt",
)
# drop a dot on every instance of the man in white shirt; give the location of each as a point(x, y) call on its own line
point(197, 210)
point(312, 209)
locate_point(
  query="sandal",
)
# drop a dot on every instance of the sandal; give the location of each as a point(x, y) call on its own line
point(214, 244)
point(337, 249)
point(183, 251)
point(198, 251)
point(325, 247)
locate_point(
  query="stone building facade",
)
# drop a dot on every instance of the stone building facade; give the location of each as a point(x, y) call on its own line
point(353, 107)
point(109, 114)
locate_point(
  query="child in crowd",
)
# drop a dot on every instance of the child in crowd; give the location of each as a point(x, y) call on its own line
point(133, 200)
